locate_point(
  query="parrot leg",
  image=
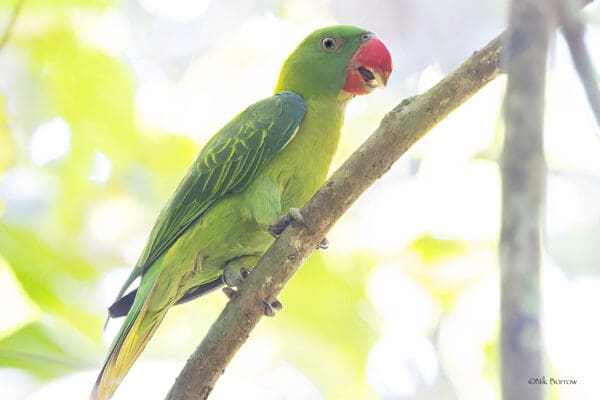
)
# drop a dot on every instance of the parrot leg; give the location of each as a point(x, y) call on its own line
point(294, 215)
point(234, 279)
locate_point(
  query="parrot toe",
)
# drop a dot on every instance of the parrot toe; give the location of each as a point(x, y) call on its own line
point(272, 308)
point(277, 305)
point(230, 292)
point(324, 244)
point(294, 215)
point(233, 279)
point(277, 228)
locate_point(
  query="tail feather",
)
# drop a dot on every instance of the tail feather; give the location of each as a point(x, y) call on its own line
point(138, 327)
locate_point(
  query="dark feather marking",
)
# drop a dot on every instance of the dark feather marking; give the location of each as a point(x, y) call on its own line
point(121, 308)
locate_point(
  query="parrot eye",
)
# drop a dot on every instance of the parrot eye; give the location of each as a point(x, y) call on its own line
point(329, 44)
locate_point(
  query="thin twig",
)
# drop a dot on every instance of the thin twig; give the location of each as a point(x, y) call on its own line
point(11, 23)
point(573, 30)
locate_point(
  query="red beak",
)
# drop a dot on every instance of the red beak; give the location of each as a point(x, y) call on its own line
point(369, 68)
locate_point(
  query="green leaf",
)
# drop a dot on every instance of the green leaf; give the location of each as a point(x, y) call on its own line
point(7, 148)
point(46, 350)
point(16, 309)
point(57, 282)
point(434, 249)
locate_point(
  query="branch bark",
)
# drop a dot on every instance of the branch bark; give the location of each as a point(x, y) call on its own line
point(398, 131)
point(523, 172)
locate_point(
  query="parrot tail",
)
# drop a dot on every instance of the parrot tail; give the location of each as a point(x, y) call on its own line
point(139, 326)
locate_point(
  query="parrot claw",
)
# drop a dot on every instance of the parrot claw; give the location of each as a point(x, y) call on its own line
point(271, 309)
point(233, 280)
point(294, 215)
point(324, 244)
point(230, 292)
point(277, 305)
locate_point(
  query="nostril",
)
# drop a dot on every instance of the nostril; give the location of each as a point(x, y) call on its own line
point(366, 36)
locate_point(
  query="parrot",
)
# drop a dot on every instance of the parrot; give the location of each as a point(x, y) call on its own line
point(227, 210)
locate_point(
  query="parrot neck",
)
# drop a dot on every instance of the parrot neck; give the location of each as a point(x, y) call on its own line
point(317, 139)
point(323, 123)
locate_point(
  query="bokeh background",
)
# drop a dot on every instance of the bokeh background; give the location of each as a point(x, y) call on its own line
point(104, 104)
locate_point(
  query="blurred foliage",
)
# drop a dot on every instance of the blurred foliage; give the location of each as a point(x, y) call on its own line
point(6, 144)
point(48, 248)
point(94, 93)
point(59, 5)
point(433, 249)
point(334, 301)
point(402, 304)
point(56, 281)
point(46, 350)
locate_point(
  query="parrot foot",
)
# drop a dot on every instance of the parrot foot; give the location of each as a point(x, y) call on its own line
point(294, 215)
point(230, 292)
point(271, 309)
point(324, 244)
point(234, 279)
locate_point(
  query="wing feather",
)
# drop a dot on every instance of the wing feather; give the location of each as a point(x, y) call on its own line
point(227, 163)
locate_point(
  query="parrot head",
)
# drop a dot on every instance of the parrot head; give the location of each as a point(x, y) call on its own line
point(339, 60)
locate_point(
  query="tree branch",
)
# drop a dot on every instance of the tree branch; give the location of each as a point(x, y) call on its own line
point(523, 172)
point(398, 131)
point(573, 30)
point(11, 23)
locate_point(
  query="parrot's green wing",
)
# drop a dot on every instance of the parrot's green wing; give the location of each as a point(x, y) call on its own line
point(227, 163)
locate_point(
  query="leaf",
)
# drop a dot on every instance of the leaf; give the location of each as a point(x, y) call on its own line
point(56, 282)
point(7, 148)
point(46, 351)
point(16, 309)
point(434, 249)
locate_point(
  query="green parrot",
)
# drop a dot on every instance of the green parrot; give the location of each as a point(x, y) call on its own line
point(226, 211)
